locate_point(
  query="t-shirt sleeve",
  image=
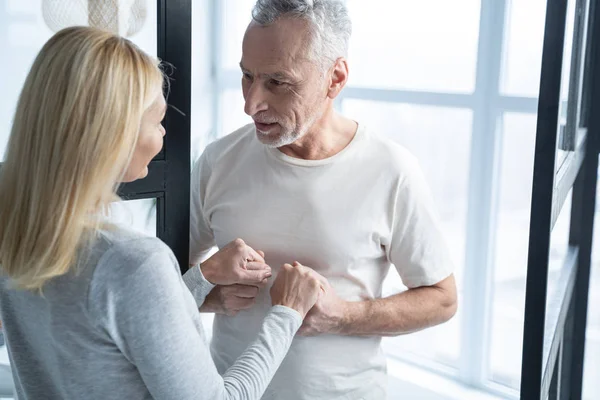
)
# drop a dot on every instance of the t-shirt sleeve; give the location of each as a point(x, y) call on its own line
point(202, 239)
point(417, 247)
point(146, 309)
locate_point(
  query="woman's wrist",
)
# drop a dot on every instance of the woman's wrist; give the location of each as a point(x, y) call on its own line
point(207, 268)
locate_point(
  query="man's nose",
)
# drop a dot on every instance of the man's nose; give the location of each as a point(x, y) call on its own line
point(256, 100)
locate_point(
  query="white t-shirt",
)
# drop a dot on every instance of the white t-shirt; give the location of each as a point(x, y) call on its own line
point(349, 217)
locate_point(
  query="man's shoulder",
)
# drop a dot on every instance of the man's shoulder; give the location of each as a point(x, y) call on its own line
point(391, 155)
point(230, 144)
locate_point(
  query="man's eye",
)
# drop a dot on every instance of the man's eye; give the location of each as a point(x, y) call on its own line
point(248, 77)
point(275, 82)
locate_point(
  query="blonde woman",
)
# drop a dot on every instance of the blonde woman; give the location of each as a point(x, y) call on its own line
point(91, 310)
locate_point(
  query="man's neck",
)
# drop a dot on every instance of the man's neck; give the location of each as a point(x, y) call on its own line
point(328, 136)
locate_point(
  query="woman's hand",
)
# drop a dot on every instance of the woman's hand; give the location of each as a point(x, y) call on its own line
point(296, 287)
point(236, 263)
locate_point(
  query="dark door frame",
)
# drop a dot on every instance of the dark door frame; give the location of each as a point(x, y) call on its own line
point(555, 322)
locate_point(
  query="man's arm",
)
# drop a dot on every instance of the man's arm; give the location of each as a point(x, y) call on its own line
point(416, 247)
point(406, 312)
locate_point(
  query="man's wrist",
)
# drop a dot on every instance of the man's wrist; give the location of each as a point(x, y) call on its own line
point(211, 303)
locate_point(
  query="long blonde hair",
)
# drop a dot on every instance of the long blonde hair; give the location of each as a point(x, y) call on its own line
point(75, 128)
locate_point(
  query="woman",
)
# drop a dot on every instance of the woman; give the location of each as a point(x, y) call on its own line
point(91, 310)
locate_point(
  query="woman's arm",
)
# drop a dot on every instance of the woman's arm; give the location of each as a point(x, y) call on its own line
point(155, 323)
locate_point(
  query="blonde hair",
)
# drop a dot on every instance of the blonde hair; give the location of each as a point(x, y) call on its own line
point(75, 128)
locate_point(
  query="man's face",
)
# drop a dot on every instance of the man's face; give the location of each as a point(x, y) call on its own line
point(285, 92)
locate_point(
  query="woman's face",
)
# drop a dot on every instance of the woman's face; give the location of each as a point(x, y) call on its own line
point(150, 140)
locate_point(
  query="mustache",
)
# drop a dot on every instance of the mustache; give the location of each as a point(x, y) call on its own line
point(265, 119)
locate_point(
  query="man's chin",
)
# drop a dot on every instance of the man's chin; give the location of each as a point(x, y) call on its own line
point(277, 140)
point(268, 141)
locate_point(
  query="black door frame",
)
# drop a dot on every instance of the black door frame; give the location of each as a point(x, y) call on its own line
point(168, 180)
point(555, 323)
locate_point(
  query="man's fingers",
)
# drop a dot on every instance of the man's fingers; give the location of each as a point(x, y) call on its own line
point(261, 253)
point(254, 256)
point(243, 291)
point(240, 303)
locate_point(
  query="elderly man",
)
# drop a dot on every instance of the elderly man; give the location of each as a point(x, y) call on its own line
point(307, 185)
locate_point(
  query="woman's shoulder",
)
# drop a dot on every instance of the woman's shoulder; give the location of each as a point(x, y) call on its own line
point(129, 268)
point(120, 237)
point(122, 250)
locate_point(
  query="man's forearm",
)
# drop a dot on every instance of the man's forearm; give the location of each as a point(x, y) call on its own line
point(403, 313)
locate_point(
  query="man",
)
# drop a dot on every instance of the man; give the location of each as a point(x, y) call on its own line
point(305, 184)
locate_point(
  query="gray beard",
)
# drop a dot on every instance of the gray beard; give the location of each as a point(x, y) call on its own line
point(282, 140)
point(287, 138)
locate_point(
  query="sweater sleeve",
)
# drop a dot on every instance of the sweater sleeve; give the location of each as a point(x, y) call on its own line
point(197, 284)
point(152, 317)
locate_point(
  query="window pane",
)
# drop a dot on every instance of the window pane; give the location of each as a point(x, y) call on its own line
point(523, 47)
point(428, 45)
point(591, 370)
point(512, 241)
point(237, 14)
point(440, 138)
point(566, 111)
point(202, 114)
point(23, 32)
point(512, 245)
point(232, 111)
point(139, 215)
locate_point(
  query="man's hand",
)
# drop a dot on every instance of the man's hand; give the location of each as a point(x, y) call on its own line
point(236, 263)
point(230, 300)
point(329, 313)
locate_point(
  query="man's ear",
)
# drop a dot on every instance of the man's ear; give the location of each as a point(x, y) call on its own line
point(339, 77)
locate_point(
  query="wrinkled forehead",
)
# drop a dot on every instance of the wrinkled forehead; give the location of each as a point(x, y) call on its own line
point(284, 44)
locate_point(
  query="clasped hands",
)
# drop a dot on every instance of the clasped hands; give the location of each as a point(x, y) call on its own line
point(240, 272)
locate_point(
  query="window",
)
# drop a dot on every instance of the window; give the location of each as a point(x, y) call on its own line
point(402, 44)
point(511, 247)
point(524, 38)
point(232, 111)
point(23, 32)
point(591, 369)
point(139, 215)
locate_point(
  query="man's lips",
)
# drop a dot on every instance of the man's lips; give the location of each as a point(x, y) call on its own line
point(264, 127)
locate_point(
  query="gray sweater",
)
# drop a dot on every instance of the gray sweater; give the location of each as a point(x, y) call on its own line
point(126, 326)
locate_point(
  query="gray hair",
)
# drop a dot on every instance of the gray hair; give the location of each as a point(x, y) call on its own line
point(329, 21)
